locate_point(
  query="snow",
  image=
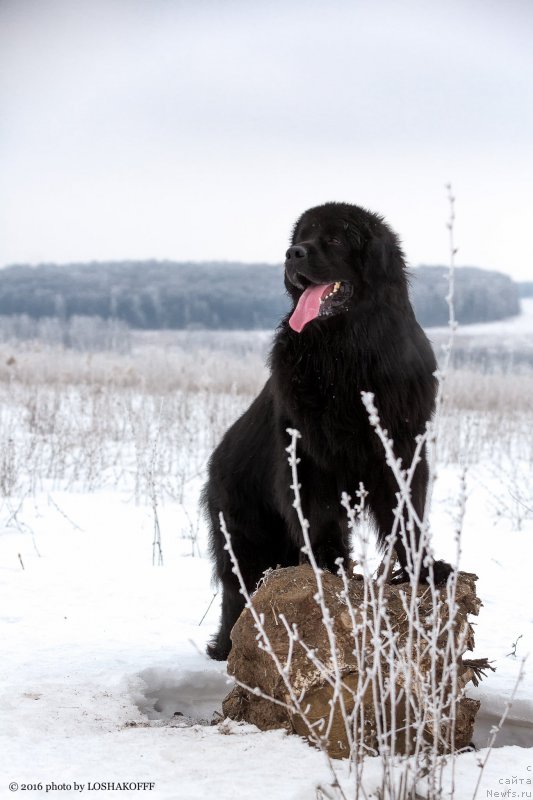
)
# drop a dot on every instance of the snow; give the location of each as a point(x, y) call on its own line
point(515, 327)
point(104, 649)
point(512, 336)
point(104, 676)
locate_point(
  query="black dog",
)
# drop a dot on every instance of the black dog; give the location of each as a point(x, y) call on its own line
point(352, 329)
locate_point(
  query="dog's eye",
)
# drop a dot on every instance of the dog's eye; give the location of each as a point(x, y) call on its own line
point(332, 240)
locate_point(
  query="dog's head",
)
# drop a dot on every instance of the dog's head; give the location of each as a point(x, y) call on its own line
point(340, 255)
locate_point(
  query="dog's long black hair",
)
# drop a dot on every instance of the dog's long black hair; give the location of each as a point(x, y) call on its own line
point(364, 338)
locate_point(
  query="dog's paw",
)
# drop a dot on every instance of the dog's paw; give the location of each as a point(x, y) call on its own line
point(399, 575)
point(441, 572)
point(217, 650)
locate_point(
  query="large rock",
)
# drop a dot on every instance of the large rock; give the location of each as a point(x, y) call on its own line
point(413, 666)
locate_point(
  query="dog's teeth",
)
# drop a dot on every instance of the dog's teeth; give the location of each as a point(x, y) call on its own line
point(336, 287)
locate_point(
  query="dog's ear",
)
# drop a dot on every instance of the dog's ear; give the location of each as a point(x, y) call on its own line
point(384, 259)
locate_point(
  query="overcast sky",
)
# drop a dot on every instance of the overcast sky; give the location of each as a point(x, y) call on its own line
point(200, 129)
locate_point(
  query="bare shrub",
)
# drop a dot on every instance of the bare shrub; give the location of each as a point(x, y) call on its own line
point(392, 670)
point(388, 667)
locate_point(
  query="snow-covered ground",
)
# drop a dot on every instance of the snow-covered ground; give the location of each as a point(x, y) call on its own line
point(104, 677)
point(508, 341)
point(513, 327)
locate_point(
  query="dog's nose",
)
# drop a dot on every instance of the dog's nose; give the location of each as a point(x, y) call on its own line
point(296, 251)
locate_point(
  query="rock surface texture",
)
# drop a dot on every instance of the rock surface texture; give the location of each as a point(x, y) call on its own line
point(391, 683)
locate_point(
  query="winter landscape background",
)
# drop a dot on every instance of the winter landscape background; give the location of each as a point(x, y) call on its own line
point(104, 676)
point(142, 134)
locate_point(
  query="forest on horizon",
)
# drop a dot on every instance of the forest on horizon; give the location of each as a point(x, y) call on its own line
point(152, 295)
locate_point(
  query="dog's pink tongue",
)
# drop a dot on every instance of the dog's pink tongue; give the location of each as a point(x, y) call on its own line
point(308, 306)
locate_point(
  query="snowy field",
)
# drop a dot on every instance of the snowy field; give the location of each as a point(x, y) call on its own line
point(103, 673)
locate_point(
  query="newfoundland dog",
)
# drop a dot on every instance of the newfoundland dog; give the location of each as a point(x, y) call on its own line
point(351, 329)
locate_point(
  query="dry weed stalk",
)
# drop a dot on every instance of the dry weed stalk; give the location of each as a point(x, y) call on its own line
point(393, 671)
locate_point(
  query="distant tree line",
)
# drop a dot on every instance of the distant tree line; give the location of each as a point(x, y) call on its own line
point(165, 294)
point(525, 288)
point(479, 295)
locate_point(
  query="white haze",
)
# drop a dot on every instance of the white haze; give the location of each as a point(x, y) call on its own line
point(200, 130)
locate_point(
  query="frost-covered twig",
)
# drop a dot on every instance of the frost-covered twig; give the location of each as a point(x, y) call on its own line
point(206, 612)
point(157, 548)
point(263, 643)
point(494, 731)
point(319, 597)
point(514, 646)
point(443, 369)
point(60, 511)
